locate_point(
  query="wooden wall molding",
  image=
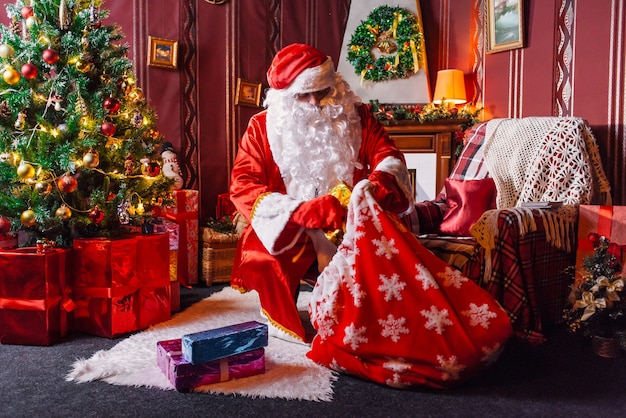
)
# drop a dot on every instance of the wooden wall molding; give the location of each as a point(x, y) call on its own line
point(563, 65)
point(188, 158)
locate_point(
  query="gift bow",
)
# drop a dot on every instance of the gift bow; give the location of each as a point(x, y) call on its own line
point(611, 287)
point(590, 303)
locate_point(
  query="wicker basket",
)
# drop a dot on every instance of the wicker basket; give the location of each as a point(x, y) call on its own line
point(218, 254)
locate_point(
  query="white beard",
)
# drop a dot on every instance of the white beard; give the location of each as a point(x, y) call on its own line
point(315, 148)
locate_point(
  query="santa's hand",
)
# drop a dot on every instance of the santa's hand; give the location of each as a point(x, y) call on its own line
point(323, 212)
point(324, 249)
point(387, 193)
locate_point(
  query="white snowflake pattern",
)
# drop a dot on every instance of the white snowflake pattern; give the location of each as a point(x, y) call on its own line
point(424, 276)
point(391, 286)
point(392, 327)
point(450, 368)
point(397, 365)
point(479, 315)
point(354, 336)
point(325, 327)
point(396, 382)
point(452, 277)
point(436, 319)
point(357, 293)
point(385, 247)
point(491, 354)
point(334, 365)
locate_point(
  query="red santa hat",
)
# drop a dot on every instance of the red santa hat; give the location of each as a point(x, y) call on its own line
point(302, 69)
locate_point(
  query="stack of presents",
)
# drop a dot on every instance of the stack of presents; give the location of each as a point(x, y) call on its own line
point(213, 356)
point(104, 287)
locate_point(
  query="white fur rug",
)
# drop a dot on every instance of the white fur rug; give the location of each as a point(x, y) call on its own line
point(289, 373)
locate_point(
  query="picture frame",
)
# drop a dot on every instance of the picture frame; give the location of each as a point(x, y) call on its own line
point(162, 52)
point(505, 25)
point(248, 93)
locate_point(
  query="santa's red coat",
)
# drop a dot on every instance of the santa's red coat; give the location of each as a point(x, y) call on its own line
point(276, 275)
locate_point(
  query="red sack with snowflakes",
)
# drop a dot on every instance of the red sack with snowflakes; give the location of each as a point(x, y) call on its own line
point(386, 309)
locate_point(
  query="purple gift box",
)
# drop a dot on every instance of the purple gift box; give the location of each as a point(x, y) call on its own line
point(214, 344)
point(186, 376)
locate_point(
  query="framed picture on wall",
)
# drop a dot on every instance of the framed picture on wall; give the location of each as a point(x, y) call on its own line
point(505, 25)
point(162, 52)
point(248, 93)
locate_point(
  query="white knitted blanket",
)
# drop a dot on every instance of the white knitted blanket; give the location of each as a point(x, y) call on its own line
point(541, 159)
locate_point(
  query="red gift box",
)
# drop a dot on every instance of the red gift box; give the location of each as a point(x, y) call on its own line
point(608, 221)
point(121, 285)
point(184, 212)
point(225, 206)
point(172, 229)
point(34, 295)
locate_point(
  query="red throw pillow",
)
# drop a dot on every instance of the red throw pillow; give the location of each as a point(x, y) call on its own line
point(467, 200)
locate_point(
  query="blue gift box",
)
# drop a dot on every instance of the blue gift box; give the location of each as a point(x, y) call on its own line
point(214, 344)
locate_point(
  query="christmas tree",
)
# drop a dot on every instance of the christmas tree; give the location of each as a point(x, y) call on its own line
point(79, 147)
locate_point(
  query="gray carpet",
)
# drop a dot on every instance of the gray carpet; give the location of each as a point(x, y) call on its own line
point(562, 378)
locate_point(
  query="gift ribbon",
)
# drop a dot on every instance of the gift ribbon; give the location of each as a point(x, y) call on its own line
point(29, 304)
point(224, 376)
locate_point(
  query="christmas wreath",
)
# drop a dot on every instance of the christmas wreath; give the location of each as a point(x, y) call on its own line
point(392, 33)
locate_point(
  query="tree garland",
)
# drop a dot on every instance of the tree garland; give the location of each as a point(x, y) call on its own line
point(395, 33)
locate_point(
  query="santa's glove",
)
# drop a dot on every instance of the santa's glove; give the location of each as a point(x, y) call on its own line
point(387, 192)
point(323, 212)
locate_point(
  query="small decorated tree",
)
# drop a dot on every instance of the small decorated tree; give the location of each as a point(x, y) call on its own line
point(79, 147)
point(598, 304)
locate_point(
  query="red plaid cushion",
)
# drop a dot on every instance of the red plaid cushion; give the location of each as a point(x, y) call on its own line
point(470, 164)
point(427, 217)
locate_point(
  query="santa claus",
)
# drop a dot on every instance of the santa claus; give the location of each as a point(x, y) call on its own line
point(314, 136)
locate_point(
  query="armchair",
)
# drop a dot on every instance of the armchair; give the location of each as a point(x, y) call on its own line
point(507, 215)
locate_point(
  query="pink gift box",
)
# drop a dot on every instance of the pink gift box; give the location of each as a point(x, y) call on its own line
point(608, 221)
point(184, 212)
point(186, 376)
point(121, 285)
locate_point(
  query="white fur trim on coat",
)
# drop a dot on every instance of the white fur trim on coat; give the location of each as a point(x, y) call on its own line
point(270, 216)
point(398, 169)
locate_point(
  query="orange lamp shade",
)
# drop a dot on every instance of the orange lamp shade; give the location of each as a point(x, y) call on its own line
point(450, 87)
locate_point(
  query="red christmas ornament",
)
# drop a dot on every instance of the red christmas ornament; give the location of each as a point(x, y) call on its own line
point(50, 56)
point(27, 12)
point(29, 70)
point(107, 129)
point(5, 225)
point(96, 215)
point(67, 183)
point(111, 105)
point(594, 238)
point(154, 169)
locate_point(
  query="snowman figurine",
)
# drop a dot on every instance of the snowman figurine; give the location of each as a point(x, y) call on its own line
point(171, 169)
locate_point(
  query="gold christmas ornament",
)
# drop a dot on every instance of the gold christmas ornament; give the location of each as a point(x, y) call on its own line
point(28, 218)
point(11, 76)
point(25, 171)
point(63, 212)
point(43, 188)
point(31, 22)
point(6, 51)
point(83, 66)
point(91, 159)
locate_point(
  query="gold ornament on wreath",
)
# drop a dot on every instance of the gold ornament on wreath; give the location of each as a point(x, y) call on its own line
point(393, 34)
